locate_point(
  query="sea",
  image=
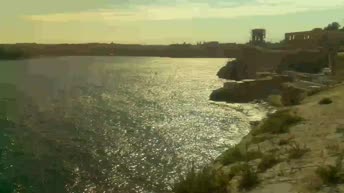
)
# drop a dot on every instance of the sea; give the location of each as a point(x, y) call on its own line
point(112, 124)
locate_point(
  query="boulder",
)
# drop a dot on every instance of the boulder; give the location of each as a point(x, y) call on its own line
point(248, 90)
point(229, 71)
point(291, 94)
point(221, 94)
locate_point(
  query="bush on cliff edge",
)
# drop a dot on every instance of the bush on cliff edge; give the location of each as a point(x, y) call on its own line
point(279, 122)
point(204, 181)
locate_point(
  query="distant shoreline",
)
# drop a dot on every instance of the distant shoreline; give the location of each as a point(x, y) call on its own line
point(40, 57)
point(209, 50)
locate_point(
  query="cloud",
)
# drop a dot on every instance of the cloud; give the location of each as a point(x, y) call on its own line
point(192, 9)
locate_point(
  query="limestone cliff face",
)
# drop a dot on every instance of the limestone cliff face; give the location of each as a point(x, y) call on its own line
point(253, 60)
point(249, 90)
point(304, 61)
point(236, 70)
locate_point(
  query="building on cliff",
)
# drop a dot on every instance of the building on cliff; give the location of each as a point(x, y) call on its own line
point(314, 39)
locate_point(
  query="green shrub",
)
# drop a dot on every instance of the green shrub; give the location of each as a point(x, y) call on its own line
point(340, 130)
point(284, 141)
point(231, 155)
point(325, 101)
point(296, 151)
point(234, 154)
point(259, 139)
point(204, 181)
point(331, 174)
point(237, 169)
point(268, 161)
point(279, 122)
point(249, 179)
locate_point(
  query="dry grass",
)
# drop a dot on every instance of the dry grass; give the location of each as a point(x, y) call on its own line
point(249, 179)
point(203, 181)
point(267, 162)
point(332, 174)
point(260, 138)
point(333, 148)
point(234, 154)
point(325, 101)
point(285, 141)
point(296, 151)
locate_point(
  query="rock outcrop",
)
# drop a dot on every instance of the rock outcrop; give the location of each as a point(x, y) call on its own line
point(291, 94)
point(249, 90)
point(253, 60)
point(236, 70)
point(306, 61)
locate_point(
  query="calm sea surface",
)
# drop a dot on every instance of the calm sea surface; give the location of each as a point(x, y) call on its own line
point(111, 124)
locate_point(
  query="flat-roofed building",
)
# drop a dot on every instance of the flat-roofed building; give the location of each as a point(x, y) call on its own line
point(314, 38)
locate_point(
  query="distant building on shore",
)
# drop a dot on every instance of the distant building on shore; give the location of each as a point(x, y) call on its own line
point(314, 38)
point(212, 44)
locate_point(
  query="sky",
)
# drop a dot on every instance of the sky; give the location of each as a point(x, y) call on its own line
point(160, 21)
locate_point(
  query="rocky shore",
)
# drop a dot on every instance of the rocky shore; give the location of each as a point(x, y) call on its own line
point(297, 149)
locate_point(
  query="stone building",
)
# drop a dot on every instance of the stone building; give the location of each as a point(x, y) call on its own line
point(315, 38)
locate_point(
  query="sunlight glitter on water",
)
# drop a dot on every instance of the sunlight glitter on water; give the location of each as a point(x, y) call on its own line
point(138, 123)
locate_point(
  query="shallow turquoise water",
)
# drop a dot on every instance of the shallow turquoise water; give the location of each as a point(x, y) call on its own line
point(111, 124)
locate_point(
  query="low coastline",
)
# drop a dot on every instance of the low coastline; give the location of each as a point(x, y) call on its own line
point(299, 148)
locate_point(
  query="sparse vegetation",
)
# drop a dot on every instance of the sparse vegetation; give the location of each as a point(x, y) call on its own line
point(332, 174)
point(234, 154)
point(249, 179)
point(296, 151)
point(333, 148)
point(340, 130)
point(204, 181)
point(231, 155)
point(279, 122)
point(285, 141)
point(325, 101)
point(259, 139)
point(268, 161)
point(237, 169)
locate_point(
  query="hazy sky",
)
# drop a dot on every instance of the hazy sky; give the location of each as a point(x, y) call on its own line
point(159, 21)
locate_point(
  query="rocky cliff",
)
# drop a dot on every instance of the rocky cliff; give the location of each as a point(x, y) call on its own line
point(297, 149)
point(253, 60)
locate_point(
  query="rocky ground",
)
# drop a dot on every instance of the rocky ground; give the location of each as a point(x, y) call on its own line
point(301, 158)
point(297, 149)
